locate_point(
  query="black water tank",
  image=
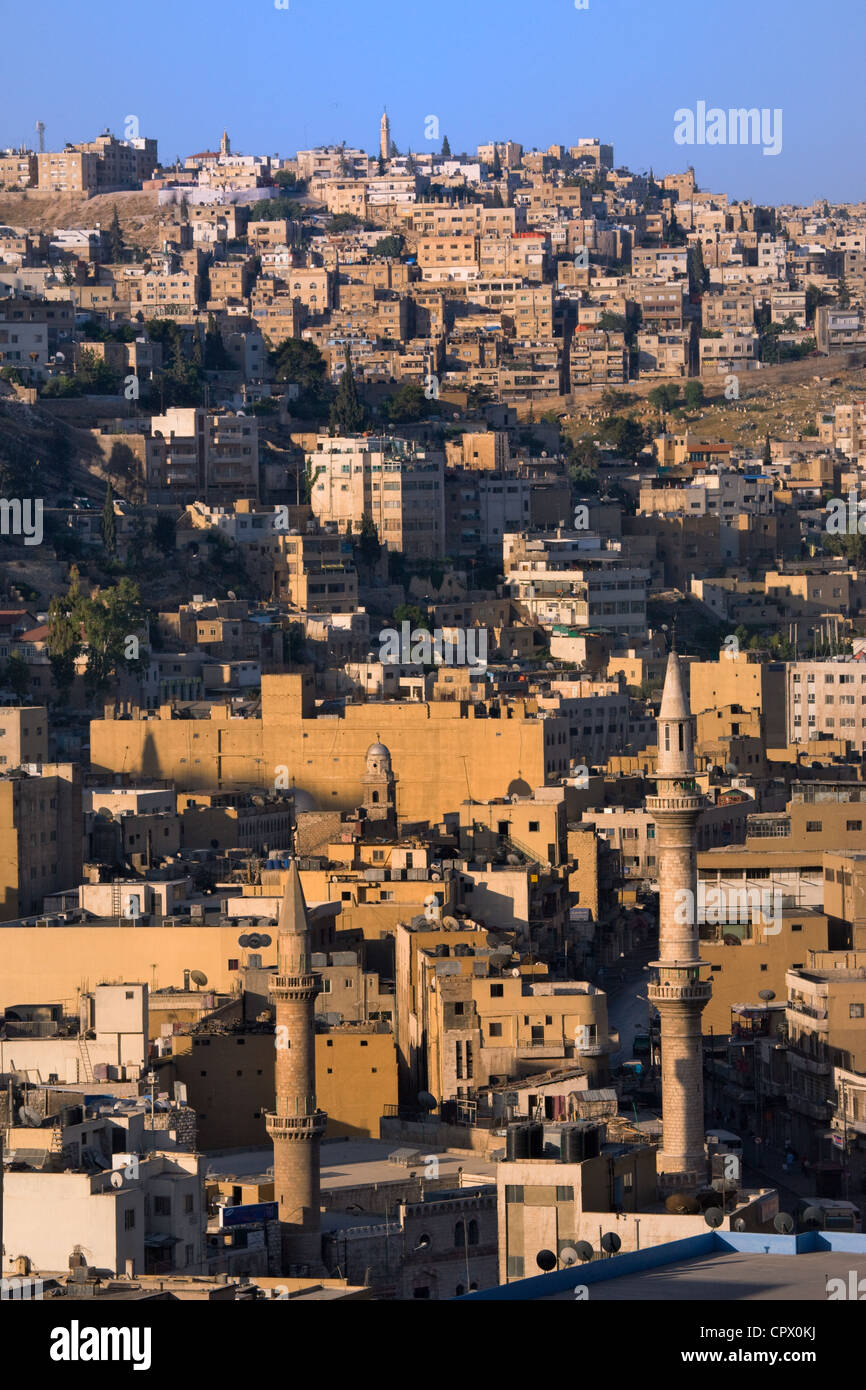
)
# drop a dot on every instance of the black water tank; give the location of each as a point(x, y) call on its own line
point(536, 1140)
point(592, 1141)
point(572, 1148)
point(517, 1143)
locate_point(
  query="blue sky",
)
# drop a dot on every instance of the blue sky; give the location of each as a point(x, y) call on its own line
point(537, 71)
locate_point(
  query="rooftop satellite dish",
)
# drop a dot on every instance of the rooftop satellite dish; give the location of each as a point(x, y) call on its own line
point(568, 1256)
point(714, 1216)
point(231, 594)
point(766, 994)
point(739, 1224)
point(198, 977)
point(30, 1117)
point(450, 924)
point(583, 1250)
point(427, 1101)
point(611, 1242)
point(783, 1222)
point(516, 973)
point(813, 1218)
point(546, 1260)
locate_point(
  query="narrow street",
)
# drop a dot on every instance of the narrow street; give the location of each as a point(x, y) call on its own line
point(627, 1009)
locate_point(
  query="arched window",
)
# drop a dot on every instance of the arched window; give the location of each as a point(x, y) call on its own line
point(473, 1232)
point(459, 1234)
point(667, 738)
point(375, 796)
point(460, 1290)
point(682, 737)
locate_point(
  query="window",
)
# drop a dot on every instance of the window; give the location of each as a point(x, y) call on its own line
point(855, 1010)
point(565, 1194)
point(814, 826)
point(162, 1206)
point(495, 1030)
point(129, 1219)
point(514, 1267)
point(496, 991)
point(854, 825)
point(189, 1202)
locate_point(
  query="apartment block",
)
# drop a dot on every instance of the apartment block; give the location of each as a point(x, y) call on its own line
point(399, 485)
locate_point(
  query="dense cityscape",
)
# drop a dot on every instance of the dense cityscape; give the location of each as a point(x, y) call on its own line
point(433, 727)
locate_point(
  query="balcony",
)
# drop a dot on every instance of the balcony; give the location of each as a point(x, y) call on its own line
point(697, 991)
point(688, 802)
point(296, 1126)
point(799, 1006)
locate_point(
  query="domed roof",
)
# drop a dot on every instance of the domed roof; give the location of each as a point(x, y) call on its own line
point(378, 750)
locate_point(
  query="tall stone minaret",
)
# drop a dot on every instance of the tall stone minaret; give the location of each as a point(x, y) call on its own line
point(296, 1125)
point(385, 136)
point(679, 994)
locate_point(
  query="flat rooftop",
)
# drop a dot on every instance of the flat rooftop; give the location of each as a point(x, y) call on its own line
point(732, 1277)
point(349, 1163)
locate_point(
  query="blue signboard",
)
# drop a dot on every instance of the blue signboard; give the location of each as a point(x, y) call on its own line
point(246, 1215)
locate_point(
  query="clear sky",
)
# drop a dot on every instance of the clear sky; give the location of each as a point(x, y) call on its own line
point(537, 71)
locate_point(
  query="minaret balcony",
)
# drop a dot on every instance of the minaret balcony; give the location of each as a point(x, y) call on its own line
point(292, 987)
point(296, 1126)
point(692, 803)
point(689, 992)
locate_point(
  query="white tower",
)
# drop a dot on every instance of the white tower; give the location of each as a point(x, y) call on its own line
point(385, 136)
point(678, 992)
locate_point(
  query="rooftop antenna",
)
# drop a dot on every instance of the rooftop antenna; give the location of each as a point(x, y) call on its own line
point(40, 131)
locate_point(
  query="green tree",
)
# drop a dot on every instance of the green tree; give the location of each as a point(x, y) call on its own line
point(109, 525)
point(109, 619)
point(446, 148)
point(269, 209)
point(93, 374)
point(294, 637)
point(348, 413)
point(286, 178)
point(407, 404)
point(164, 533)
point(390, 246)
point(663, 397)
point(694, 394)
point(345, 222)
point(624, 434)
point(115, 239)
point(496, 168)
point(381, 163)
point(64, 636)
point(698, 275)
point(767, 456)
point(368, 540)
point(16, 675)
point(215, 358)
